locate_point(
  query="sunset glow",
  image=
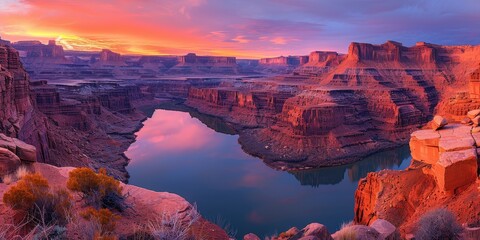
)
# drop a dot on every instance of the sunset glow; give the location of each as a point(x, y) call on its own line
point(234, 27)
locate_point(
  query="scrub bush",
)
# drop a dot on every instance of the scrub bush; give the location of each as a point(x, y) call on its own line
point(104, 222)
point(97, 189)
point(32, 199)
point(438, 224)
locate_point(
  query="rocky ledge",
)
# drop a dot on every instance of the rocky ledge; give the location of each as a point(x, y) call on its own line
point(146, 206)
point(443, 174)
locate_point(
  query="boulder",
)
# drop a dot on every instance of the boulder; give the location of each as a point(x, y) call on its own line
point(316, 230)
point(7, 142)
point(386, 229)
point(251, 236)
point(25, 152)
point(476, 121)
point(474, 113)
point(456, 169)
point(439, 122)
point(9, 162)
point(357, 232)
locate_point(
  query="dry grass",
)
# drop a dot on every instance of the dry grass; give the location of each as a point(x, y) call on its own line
point(21, 172)
point(173, 227)
point(345, 232)
point(8, 179)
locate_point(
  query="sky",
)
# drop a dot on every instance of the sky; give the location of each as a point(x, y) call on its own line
point(242, 28)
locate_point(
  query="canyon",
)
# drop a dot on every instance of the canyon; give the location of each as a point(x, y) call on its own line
point(83, 109)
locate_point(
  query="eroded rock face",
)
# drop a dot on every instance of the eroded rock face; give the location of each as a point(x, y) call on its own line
point(443, 174)
point(372, 98)
point(14, 92)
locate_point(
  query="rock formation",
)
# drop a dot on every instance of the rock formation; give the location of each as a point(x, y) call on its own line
point(443, 174)
point(14, 152)
point(108, 57)
point(284, 61)
point(193, 64)
point(36, 51)
point(348, 107)
point(14, 88)
point(68, 125)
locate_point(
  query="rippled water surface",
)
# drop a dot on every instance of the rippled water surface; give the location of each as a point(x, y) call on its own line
point(176, 152)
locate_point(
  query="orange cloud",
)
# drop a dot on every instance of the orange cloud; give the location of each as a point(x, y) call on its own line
point(125, 26)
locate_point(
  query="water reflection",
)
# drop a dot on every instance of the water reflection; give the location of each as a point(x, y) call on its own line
point(176, 152)
point(390, 159)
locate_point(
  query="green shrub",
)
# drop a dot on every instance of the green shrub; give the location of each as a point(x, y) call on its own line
point(98, 189)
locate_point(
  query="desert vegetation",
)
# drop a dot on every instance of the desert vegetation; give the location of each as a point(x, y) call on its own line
point(91, 204)
point(37, 209)
point(97, 189)
point(438, 224)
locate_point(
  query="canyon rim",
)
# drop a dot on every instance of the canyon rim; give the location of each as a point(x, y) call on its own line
point(232, 120)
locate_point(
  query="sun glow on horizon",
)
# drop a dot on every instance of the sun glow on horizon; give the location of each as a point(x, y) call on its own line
point(232, 27)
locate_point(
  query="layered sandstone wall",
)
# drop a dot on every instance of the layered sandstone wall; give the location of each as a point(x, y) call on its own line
point(15, 92)
point(250, 108)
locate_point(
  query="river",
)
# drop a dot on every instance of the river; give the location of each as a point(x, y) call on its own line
point(198, 157)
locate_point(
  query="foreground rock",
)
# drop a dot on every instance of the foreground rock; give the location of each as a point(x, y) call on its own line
point(147, 206)
point(14, 152)
point(451, 152)
point(386, 229)
point(443, 174)
point(24, 151)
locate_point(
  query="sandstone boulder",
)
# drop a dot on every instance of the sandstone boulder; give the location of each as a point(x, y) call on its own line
point(316, 230)
point(439, 122)
point(456, 169)
point(386, 229)
point(251, 236)
point(474, 113)
point(7, 142)
point(357, 232)
point(9, 162)
point(25, 152)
